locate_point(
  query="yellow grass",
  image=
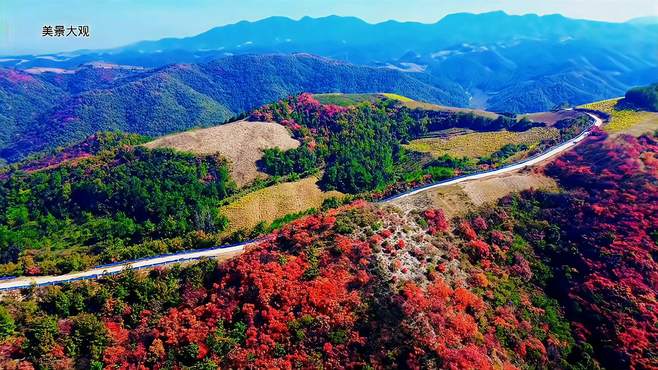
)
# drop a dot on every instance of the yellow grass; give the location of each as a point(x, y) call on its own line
point(478, 144)
point(458, 200)
point(241, 142)
point(274, 202)
point(428, 106)
point(397, 97)
point(625, 120)
point(491, 189)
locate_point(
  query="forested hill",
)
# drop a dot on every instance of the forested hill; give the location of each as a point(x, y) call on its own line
point(643, 98)
point(44, 110)
point(109, 198)
point(541, 280)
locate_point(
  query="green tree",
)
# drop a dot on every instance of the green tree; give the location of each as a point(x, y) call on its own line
point(89, 335)
point(7, 324)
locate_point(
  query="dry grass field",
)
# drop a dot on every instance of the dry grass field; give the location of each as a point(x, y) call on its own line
point(625, 120)
point(550, 118)
point(274, 202)
point(478, 144)
point(422, 105)
point(491, 189)
point(241, 142)
point(457, 200)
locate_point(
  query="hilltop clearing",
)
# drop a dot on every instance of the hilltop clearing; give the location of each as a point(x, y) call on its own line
point(241, 142)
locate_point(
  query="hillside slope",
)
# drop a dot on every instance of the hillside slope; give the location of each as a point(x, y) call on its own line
point(110, 198)
point(541, 280)
point(51, 112)
point(242, 143)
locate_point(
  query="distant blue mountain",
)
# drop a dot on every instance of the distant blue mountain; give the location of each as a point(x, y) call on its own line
point(513, 63)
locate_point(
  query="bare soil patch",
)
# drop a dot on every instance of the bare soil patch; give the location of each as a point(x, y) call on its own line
point(491, 189)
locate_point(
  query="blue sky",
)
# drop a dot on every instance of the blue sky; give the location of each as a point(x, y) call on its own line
point(118, 22)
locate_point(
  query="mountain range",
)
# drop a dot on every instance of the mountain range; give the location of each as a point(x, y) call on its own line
point(501, 62)
point(41, 111)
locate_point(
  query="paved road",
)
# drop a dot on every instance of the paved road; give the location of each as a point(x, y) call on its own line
point(511, 168)
point(27, 281)
point(226, 251)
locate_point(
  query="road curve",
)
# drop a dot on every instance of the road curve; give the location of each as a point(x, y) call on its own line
point(505, 169)
point(229, 250)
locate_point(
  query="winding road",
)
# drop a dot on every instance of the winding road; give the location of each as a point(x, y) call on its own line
point(231, 250)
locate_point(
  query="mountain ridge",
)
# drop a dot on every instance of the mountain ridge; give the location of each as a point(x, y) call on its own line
point(485, 54)
point(183, 96)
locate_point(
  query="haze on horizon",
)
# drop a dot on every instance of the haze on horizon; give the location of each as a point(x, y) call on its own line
point(119, 22)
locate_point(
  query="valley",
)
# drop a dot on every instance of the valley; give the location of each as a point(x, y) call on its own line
point(59, 109)
point(547, 62)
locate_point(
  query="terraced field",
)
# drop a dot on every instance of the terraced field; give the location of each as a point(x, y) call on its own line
point(625, 120)
point(274, 202)
point(478, 144)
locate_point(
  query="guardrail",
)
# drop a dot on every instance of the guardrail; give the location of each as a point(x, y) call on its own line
point(128, 264)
